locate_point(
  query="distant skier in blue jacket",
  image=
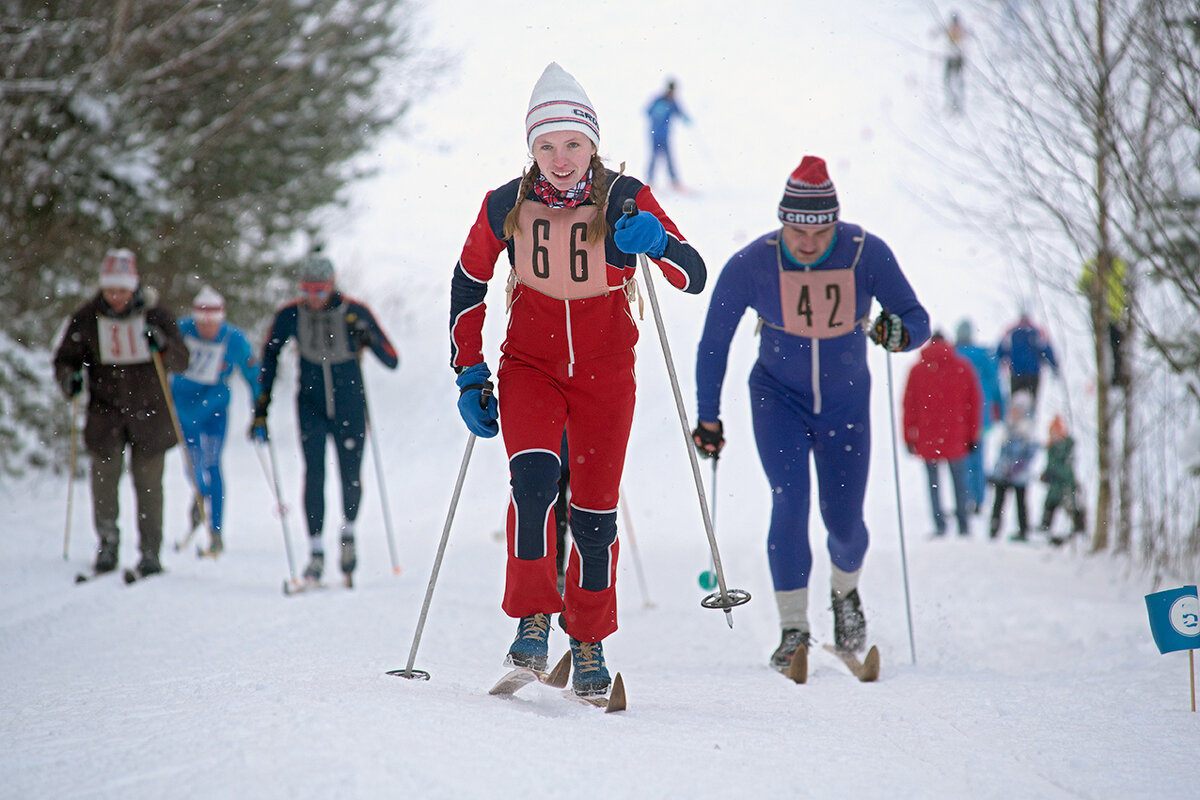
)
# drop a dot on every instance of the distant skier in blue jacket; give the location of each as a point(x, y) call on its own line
point(332, 331)
point(661, 111)
point(1022, 349)
point(202, 396)
point(811, 282)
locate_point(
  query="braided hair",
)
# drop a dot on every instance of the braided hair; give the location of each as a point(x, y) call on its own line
point(599, 195)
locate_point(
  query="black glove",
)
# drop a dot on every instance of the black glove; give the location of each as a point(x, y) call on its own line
point(972, 446)
point(889, 332)
point(361, 335)
point(157, 338)
point(709, 443)
point(72, 384)
point(258, 427)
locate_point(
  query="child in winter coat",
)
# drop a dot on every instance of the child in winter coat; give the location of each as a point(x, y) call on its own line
point(1013, 466)
point(1059, 477)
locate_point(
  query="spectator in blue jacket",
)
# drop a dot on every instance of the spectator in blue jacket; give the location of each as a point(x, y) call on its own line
point(1023, 349)
point(983, 359)
point(661, 111)
point(332, 331)
point(202, 396)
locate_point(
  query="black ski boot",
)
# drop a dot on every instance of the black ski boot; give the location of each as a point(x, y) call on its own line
point(791, 640)
point(106, 556)
point(149, 565)
point(849, 624)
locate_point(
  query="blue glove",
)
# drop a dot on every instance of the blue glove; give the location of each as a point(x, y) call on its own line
point(480, 411)
point(642, 233)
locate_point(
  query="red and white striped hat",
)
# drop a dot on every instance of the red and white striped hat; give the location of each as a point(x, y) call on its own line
point(119, 270)
point(208, 306)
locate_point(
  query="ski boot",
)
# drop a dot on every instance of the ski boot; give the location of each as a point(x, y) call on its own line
point(106, 556)
point(349, 554)
point(530, 648)
point(316, 566)
point(196, 515)
point(589, 675)
point(849, 624)
point(216, 545)
point(149, 565)
point(791, 640)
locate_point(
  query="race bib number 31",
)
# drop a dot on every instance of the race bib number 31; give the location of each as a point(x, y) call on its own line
point(123, 341)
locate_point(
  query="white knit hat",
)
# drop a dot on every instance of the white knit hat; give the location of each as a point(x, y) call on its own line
point(119, 270)
point(559, 103)
point(209, 305)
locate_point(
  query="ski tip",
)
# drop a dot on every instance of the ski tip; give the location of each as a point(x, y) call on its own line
point(797, 671)
point(130, 576)
point(80, 577)
point(561, 673)
point(616, 696)
point(396, 570)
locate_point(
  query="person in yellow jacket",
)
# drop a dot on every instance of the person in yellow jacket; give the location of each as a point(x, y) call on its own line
point(1114, 297)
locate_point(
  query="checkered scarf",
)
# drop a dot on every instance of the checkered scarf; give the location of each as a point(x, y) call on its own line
point(572, 197)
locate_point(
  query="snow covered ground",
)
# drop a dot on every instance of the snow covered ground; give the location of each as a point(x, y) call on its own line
point(1034, 674)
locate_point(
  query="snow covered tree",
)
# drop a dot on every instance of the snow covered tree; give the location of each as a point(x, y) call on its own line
point(206, 136)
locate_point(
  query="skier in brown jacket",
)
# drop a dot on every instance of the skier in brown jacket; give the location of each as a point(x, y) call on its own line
point(117, 337)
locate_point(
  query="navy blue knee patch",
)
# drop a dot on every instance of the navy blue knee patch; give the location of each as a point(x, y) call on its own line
point(534, 488)
point(594, 533)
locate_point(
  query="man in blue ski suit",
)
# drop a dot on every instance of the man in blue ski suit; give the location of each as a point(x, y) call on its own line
point(202, 395)
point(332, 330)
point(811, 282)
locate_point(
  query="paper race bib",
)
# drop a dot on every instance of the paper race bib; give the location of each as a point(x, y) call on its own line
point(818, 304)
point(206, 361)
point(123, 341)
point(552, 253)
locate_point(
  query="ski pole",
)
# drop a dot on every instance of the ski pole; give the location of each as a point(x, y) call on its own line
point(287, 539)
point(408, 671)
point(382, 487)
point(899, 513)
point(724, 599)
point(633, 549)
point(187, 461)
point(708, 578)
point(71, 473)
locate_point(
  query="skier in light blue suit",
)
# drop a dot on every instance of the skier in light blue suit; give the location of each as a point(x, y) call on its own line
point(993, 409)
point(202, 396)
point(811, 283)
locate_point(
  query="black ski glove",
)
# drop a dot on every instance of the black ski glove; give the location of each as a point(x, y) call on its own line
point(157, 338)
point(361, 335)
point(258, 427)
point(72, 384)
point(709, 443)
point(889, 332)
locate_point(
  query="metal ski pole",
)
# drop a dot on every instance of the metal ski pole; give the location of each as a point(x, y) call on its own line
point(287, 538)
point(408, 671)
point(724, 598)
point(912, 645)
point(187, 461)
point(71, 473)
point(380, 485)
point(633, 549)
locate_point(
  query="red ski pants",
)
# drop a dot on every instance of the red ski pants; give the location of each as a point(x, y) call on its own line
point(594, 402)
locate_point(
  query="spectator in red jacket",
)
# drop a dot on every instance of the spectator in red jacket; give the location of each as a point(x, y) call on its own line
point(942, 402)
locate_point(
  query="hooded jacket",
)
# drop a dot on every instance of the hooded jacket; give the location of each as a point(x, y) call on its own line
point(942, 402)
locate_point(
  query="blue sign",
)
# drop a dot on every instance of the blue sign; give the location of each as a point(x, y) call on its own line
point(1175, 619)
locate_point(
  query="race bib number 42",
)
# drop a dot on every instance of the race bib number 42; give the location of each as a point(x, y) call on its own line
point(123, 341)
